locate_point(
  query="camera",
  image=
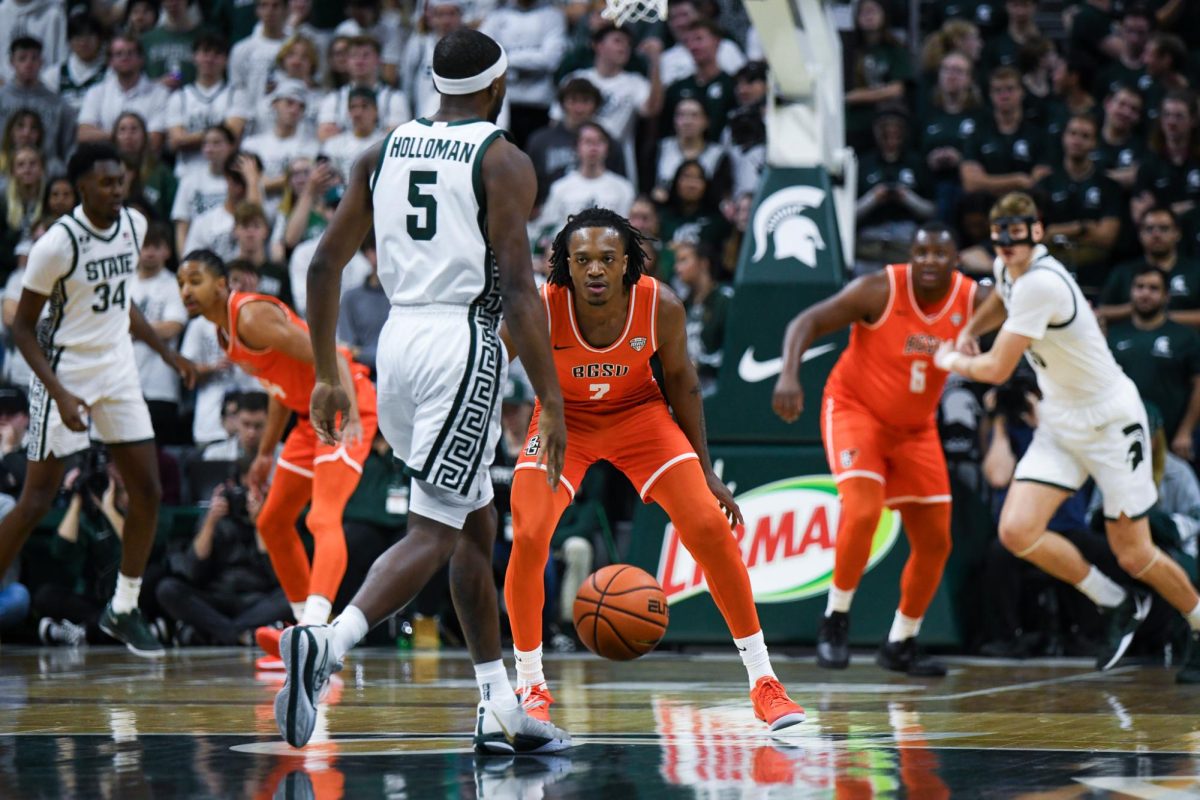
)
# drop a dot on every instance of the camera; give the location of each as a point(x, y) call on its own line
point(1012, 398)
point(93, 473)
point(235, 495)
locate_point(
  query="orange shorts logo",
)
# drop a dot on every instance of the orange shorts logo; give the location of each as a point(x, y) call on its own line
point(848, 457)
point(535, 443)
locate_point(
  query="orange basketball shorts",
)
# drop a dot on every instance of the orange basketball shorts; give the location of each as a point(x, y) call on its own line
point(643, 442)
point(909, 462)
point(303, 452)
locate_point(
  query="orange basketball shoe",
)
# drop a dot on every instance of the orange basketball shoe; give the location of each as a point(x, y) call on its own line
point(268, 639)
point(536, 701)
point(772, 704)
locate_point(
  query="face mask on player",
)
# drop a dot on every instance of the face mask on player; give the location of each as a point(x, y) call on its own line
point(1010, 231)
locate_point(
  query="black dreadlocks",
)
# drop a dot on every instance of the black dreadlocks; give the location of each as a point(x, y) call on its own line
point(633, 239)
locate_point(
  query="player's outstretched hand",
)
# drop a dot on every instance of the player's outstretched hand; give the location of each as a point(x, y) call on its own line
point(788, 398)
point(73, 411)
point(725, 498)
point(327, 402)
point(967, 344)
point(552, 436)
point(185, 368)
point(260, 471)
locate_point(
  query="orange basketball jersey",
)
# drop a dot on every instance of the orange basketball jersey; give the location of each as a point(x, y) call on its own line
point(602, 380)
point(888, 367)
point(287, 380)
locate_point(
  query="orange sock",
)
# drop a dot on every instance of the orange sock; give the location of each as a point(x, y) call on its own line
point(535, 511)
point(333, 483)
point(862, 504)
point(928, 529)
point(704, 530)
point(288, 496)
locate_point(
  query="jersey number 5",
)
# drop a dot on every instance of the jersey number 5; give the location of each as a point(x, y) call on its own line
point(916, 377)
point(106, 297)
point(422, 228)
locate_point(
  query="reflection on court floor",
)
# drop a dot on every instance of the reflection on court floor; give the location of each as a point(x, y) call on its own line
point(100, 724)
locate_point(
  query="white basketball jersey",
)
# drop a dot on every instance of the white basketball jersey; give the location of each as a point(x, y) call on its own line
point(1069, 353)
point(86, 274)
point(431, 215)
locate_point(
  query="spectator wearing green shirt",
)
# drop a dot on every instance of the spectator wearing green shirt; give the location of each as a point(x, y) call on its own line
point(1072, 80)
point(1090, 30)
point(710, 85)
point(1127, 68)
point(1007, 152)
point(168, 46)
point(706, 302)
point(1082, 212)
point(1120, 150)
point(894, 193)
point(879, 71)
point(1161, 357)
point(1158, 231)
point(948, 119)
point(1001, 50)
point(1166, 62)
point(692, 213)
point(1170, 173)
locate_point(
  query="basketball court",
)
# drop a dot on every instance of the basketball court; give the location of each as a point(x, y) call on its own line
point(99, 723)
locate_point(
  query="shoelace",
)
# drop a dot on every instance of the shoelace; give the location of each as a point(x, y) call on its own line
point(534, 698)
point(774, 693)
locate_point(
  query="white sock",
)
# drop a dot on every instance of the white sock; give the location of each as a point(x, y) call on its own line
point(529, 667)
point(904, 627)
point(348, 630)
point(492, 678)
point(1101, 589)
point(753, 650)
point(297, 610)
point(125, 599)
point(1193, 618)
point(838, 600)
point(316, 611)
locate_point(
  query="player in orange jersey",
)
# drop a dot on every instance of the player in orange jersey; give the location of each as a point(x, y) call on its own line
point(878, 421)
point(263, 336)
point(606, 320)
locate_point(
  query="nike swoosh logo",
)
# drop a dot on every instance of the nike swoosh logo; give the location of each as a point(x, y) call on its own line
point(752, 370)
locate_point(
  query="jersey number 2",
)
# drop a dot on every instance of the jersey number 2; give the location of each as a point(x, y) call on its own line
point(106, 297)
point(418, 229)
point(916, 377)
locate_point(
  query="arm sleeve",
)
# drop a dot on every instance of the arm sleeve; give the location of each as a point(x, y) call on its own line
point(1038, 299)
point(51, 257)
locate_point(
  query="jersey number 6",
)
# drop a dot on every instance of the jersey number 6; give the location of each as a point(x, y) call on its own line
point(916, 377)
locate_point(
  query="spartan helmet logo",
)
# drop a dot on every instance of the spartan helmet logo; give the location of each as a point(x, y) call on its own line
point(792, 234)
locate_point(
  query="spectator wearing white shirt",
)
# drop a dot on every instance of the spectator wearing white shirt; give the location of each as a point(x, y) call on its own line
point(252, 59)
point(206, 101)
point(534, 36)
point(298, 60)
point(44, 20)
point(251, 422)
point(689, 144)
point(205, 188)
point(277, 147)
point(362, 64)
point(626, 94)
point(552, 148)
point(85, 64)
point(216, 377)
point(298, 26)
point(342, 150)
point(356, 271)
point(125, 88)
point(154, 292)
point(677, 62)
point(416, 71)
point(589, 185)
point(213, 230)
point(366, 18)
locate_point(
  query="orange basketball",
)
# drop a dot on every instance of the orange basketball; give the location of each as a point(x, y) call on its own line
point(620, 612)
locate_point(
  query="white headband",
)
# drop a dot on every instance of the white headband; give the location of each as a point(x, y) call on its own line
point(475, 83)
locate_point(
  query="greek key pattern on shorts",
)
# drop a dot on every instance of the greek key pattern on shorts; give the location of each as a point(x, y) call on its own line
point(460, 455)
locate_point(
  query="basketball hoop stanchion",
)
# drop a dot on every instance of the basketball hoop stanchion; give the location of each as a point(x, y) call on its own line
point(623, 11)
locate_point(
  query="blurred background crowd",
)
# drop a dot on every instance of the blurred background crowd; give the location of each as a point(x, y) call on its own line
point(239, 120)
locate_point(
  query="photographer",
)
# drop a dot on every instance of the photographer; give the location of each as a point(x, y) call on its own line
point(222, 586)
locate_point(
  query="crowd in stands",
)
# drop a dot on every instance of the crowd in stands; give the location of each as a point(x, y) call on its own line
point(239, 121)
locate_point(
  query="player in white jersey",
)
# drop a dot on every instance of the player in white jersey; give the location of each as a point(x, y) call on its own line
point(85, 383)
point(448, 198)
point(1091, 423)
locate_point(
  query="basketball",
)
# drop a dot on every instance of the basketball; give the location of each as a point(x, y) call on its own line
point(620, 612)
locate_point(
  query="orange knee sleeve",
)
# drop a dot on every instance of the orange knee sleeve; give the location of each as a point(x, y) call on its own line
point(862, 504)
point(928, 530)
point(276, 523)
point(704, 530)
point(535, 512)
